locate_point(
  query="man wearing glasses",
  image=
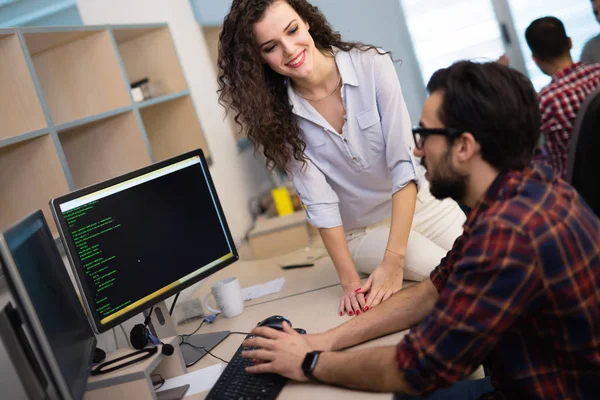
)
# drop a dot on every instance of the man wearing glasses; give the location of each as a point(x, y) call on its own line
point(518, 292)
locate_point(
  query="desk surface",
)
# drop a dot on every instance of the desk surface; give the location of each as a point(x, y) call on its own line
point(314, 311)
point(297, 281)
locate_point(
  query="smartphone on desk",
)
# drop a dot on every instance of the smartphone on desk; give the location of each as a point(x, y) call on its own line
point(293, 266)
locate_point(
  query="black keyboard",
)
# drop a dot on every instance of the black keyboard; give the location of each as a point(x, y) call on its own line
point(236, 384)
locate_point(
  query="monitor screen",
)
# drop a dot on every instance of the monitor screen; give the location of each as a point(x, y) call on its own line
point(142, 237)
point(48, 304)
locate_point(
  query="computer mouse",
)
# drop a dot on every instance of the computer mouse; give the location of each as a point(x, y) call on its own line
point(274, 322)
point(300, 331)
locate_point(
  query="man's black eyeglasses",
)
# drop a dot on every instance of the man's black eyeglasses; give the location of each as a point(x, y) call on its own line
point(420, 134)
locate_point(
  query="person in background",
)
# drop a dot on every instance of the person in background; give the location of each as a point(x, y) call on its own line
point(520, 289)
point(331, 113)
point(561, 99)
point(591, 51)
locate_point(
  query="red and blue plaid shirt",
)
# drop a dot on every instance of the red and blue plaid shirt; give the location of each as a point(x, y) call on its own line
point(518, 292)
point(560, 102)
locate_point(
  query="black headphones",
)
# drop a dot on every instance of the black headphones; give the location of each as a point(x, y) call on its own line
point(140, 336)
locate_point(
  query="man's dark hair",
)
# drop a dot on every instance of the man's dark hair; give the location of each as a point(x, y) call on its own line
point(496, 104)
point(547, 38)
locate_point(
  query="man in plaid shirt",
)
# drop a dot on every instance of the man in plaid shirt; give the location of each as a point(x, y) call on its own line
point(561, 100)
point(518, 292)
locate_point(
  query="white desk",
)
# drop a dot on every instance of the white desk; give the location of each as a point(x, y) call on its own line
point(314, 311)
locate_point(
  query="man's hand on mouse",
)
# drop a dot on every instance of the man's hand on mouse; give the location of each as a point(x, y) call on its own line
point(280, 352)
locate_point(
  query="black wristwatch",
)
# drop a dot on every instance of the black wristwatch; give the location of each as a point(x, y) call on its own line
point(309, 364)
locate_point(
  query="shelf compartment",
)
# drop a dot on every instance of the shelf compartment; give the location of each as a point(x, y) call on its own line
point(150, 53)
point(172, 128)
point(79, 73)
point(104, 149)
point(20, 108)
point(30, 175)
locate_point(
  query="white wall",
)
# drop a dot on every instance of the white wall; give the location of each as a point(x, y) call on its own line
point(381, 23)
point(378, 22)
point(237, 176)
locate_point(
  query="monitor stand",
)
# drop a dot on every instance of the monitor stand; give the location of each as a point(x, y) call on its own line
point(195, 347)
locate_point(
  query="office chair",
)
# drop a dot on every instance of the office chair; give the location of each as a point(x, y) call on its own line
point(583, 162)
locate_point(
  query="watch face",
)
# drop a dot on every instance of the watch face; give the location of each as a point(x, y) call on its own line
point(310, 360)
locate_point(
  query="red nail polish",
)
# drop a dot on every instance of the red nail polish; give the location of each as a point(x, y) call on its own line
point(350, 313)
point(341, 313)
point(358, 313)
point(357, 290)
point(366, 308)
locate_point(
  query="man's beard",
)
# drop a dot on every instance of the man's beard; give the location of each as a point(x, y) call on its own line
point(447, 182)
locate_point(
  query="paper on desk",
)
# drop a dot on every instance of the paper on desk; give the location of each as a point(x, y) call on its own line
point(200, 381)
point(252, 292)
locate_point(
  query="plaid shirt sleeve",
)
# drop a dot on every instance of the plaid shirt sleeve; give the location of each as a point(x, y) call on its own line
point(488, 288)
point(440, 274)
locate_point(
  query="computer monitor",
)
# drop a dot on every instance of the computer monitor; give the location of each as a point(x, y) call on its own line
point(140, 238)
point(55, 335)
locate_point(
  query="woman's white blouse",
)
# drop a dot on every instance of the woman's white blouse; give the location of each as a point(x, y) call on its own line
point(350, 177)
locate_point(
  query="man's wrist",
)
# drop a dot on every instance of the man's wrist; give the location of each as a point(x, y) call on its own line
point(329, 340)
point(310, 363)
point(318, 371)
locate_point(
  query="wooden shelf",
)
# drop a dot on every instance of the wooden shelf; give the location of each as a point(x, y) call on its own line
point(150, 53)
point(68, 119)
point(173, 128)
point(163, 99)
point(20, 109)
point(104, 149)
point(79, 73)
point(30, 175)
point(93, 118)
point(23, 137)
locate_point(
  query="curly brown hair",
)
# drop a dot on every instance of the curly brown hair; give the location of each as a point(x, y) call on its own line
point(257, 94)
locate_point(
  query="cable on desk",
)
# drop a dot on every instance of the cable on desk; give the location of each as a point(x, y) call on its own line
point(207, 352)
point(183, 341)
point(197, 329)
point(158, 383)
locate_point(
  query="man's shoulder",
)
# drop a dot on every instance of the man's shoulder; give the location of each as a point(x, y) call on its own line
point(580, 76)
point(519, 202)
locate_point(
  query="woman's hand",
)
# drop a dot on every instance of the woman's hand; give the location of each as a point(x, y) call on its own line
point(351, 301)
point(384, 281)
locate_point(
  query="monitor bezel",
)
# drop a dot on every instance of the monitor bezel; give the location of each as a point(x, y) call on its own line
point(78, 271)
point(29, 317)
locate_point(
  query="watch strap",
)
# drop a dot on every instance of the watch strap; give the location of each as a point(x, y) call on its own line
point(309, 364)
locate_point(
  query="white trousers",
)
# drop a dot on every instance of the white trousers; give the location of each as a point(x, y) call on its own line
point(436, 225)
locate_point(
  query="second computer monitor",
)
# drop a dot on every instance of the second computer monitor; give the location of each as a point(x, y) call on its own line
point(140, 238)
point(49, 310)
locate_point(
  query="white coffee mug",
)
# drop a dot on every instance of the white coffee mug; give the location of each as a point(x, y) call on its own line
point(228, 296)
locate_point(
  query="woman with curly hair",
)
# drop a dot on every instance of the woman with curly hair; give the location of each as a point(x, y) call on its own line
point(331, 113)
